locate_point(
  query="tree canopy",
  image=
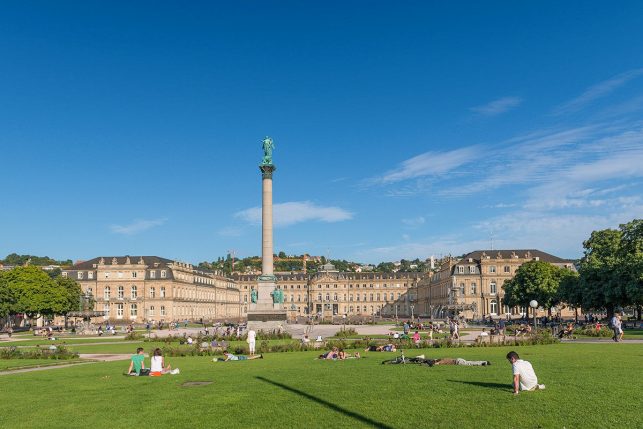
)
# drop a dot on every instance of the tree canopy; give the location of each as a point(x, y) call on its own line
point(537, 280)
point(30, 290)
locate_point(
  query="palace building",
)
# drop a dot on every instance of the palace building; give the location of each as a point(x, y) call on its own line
point(330, 293)
point(150, 288)
point(472, 285)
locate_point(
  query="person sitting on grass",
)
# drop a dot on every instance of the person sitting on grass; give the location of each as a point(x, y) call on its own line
point(137, 362)
point(229, 356)
point(524, 375)
point(387, 348)
point(331, 354)
point(158, 367)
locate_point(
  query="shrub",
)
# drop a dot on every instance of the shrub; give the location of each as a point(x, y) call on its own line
point(58, 353)
point(346, 333)
point(134, 336)
point(591, 331)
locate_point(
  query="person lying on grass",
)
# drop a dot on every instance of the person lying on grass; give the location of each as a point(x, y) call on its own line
point(421, 359)
point(229, 356)
point(386, 348)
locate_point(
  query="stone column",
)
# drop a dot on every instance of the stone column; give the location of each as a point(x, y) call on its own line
point(266, 218)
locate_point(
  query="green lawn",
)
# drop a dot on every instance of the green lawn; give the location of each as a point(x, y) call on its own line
point(293, 390)
point(6, 364)
point(66, 340)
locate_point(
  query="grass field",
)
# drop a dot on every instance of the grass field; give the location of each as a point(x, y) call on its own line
point(588, 386)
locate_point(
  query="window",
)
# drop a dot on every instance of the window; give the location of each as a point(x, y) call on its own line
point(106, 293)
point(133, 310)
point(507, 269)
point(319, 297)
point(462, 288)
point(492, 268)
point(460, 269)
point(350, 298)
point(492, 288)
point(163, 274)
point(119, 310)
point(152, 292)
point(327, 297)
point(493, 307)
point(152, 311)
point(134, 273)
point(472, 269)
point(371, 297)
point(357, 296)
point(105, 311)
point(90, 275)
point(121, 292)
point(392, 297)
point(335, 297)
point(134, 292)
point(473, 288)
point(162, 294)
point(80, 275)
point(162, 310)
point(152, 274)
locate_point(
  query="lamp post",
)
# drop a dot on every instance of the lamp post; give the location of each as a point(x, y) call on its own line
point(412, 307)
point(534, 305)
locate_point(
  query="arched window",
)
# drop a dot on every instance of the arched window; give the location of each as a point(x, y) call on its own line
point(152, 311)
point(152, 292)
point(162, 293)
point(493, 307)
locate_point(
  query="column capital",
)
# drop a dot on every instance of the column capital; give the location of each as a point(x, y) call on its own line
point(267, 170)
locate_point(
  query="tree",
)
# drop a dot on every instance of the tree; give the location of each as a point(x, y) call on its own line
point(7, 298)
point(35, 292)
point(537, 280)
point(611, 271)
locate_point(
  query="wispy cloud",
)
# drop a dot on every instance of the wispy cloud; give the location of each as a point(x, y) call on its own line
point(496, 107)
point(597, 91)
point(230, 231)
point(291, 213)
point(414, 222)
point(428, 164)
point(137, 226)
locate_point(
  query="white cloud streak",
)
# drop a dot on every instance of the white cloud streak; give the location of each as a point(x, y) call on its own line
point(290, 213)
point(497, 107)
point(597, 91)
point(137, 226)
point(429, 164)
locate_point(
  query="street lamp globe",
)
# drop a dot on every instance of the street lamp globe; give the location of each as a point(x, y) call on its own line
point(533, 303)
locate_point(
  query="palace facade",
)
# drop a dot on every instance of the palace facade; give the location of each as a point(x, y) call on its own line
point(330, 293)
point(149, 288)
point(472, 285)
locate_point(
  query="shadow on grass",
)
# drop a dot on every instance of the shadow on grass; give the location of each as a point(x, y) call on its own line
point(499, 386)
point(327, 404)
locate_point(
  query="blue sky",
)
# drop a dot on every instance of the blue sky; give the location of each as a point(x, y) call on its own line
point(402, 130)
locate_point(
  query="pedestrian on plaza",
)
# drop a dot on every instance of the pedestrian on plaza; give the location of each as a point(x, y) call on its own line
point(524, 375)
point(252, 341)
point(615, 324)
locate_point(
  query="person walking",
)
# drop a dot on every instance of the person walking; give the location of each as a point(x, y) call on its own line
point(252, 335)
point(616, 327)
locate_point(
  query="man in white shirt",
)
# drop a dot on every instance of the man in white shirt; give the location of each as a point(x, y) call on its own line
point(252, 341)
point(524, 375)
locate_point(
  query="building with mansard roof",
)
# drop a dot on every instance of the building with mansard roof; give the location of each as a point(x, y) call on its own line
point(472, 285)
point(329, 293)
point(149, 288)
